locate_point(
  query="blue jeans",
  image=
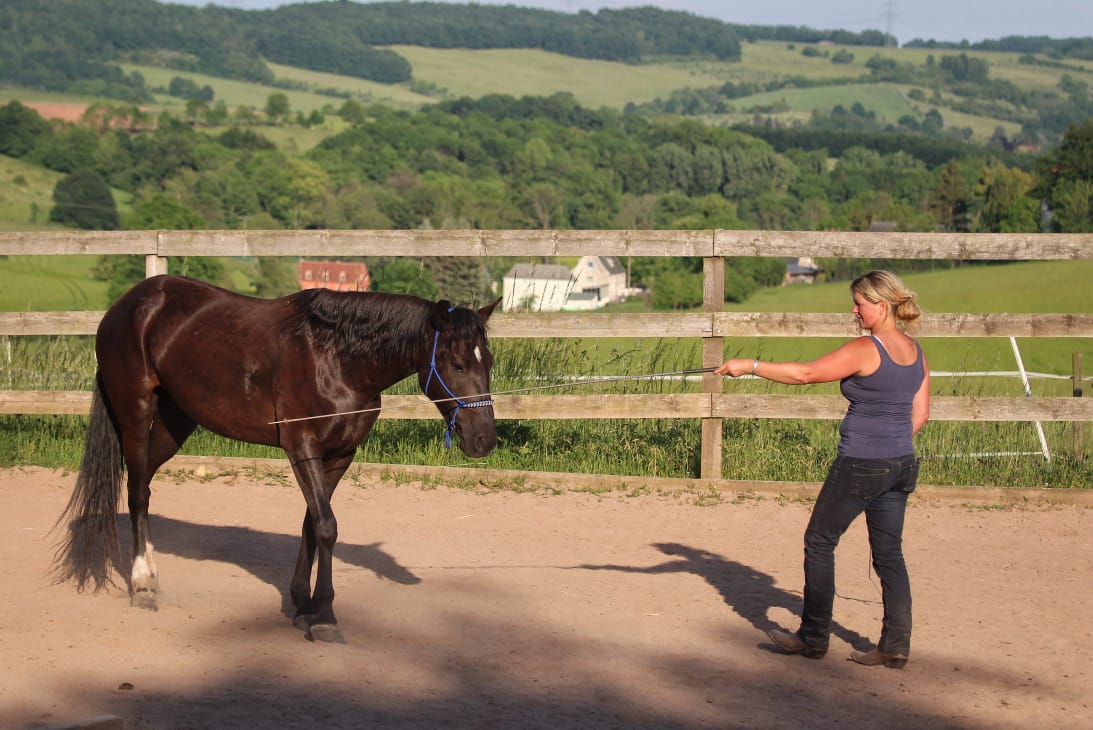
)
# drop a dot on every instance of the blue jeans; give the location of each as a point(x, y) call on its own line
point(878, 487)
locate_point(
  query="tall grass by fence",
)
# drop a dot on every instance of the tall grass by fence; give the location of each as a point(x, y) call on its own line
point(708, 410)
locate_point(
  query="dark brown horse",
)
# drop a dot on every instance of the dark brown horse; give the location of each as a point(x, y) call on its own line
point(176, 353)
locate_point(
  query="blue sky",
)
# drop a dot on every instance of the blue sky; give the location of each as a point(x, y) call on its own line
point(944, 20)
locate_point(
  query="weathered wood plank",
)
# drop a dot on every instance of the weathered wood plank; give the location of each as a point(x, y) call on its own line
point(703, 243)
point(804, 324)
point(942, 408)
point(584, 324)
point(40, 243)
point(677, 405)
point(49, 323)
point(417, 243)
point(46, 402)
point(901, 245)
point(686, 324)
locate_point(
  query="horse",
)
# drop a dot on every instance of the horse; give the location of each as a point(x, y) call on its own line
point(176, 353)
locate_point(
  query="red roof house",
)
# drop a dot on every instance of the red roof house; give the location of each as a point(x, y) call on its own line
point(337, 275)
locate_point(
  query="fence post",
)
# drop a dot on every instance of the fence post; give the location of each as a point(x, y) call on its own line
point(713, 352)
point(154, 265)
point(1028, 394)
point(1079, 427)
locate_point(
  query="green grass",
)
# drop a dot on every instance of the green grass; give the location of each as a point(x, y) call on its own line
point(233, 93)
point(1025, 287)
point(26, 195)
point(521, 72)
point(50, 284)
point(396, 95)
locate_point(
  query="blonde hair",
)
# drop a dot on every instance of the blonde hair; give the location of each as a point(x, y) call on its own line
point(884, 286)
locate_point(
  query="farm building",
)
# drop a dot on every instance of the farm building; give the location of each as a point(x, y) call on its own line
point(602, 277)
point(337, 275)
point(593, 282)
point(537, 287)
point(801, 270)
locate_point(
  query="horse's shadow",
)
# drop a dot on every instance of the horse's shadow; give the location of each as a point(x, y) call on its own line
point(748, 592)
point(268, 556)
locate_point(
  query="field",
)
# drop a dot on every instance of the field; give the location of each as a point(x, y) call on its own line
point(26, 195)
point(451, 73)
point(544, 609)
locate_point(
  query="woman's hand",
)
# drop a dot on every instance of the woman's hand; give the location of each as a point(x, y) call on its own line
point(735, 367)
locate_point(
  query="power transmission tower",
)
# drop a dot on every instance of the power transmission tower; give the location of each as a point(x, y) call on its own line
point(889, 17)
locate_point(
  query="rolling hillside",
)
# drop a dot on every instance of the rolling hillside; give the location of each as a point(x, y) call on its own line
point(451, 73)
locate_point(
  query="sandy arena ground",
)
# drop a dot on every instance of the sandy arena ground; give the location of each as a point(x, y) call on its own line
point(504, 610)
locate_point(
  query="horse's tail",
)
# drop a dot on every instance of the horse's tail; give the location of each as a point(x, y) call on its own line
point(90, 545)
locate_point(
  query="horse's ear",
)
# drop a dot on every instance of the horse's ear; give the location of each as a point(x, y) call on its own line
point(442, 314)
point(486, 311)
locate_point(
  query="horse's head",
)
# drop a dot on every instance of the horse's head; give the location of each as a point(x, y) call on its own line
point(457, 378)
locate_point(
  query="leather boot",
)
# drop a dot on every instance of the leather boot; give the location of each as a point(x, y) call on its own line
point(875, 657)
point(794, 644)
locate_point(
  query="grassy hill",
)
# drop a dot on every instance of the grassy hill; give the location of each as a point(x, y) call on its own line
point(450, 73)
point(50, 284)
point(26, 195)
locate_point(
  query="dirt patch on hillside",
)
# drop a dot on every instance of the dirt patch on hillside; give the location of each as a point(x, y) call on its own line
point(65, 111)
point(497, 609)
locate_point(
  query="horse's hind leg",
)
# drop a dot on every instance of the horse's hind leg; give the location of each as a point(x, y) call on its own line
point(144, 454)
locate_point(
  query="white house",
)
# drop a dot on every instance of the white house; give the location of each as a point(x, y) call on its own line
point(801, 270)
point(536, 288)
point(601, 277)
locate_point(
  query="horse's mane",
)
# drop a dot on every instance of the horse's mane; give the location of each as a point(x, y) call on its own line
point(364, 326)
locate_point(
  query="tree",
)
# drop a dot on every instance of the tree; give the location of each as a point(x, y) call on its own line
point(122, 272)
point(1066, 176)
point(20, 129)
point(162, 212)
point(70, 149)
point(275, 277)
point(402, 276)
point(83, 200)
point(277, 107)
point(950, 199)
point(1072, 206)
point(676, 288)
point(1006, 206)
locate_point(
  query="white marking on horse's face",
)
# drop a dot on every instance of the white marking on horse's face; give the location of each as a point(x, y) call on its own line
point(478, 353)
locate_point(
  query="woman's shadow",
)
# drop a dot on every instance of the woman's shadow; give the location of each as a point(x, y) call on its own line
point(748, 592)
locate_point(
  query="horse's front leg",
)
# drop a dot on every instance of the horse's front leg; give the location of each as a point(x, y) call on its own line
point(301, 578)
point(319, 534)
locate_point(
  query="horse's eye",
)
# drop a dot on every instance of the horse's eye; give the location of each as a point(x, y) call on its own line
point(458, 367)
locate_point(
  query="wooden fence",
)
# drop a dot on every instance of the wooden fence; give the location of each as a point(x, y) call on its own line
point(711, 325)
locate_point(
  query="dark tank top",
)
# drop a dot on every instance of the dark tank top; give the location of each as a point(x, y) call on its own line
point(877, 424)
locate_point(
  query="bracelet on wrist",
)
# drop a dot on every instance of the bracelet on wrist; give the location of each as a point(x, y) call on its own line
point(755, 366)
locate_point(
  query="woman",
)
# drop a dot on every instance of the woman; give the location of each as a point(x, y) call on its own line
point(886, 378)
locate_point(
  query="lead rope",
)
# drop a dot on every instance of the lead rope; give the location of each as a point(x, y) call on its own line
point(488, 396)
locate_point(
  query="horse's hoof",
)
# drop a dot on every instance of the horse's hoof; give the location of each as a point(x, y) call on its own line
point(328, 633)
point(303, 621)
point(144, 599)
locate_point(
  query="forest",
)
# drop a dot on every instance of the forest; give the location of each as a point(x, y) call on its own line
point(535, 161)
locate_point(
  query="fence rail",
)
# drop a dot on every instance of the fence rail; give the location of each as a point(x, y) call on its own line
point(711, 325)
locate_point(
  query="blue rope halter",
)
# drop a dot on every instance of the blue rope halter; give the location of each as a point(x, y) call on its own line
point(459, 403)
